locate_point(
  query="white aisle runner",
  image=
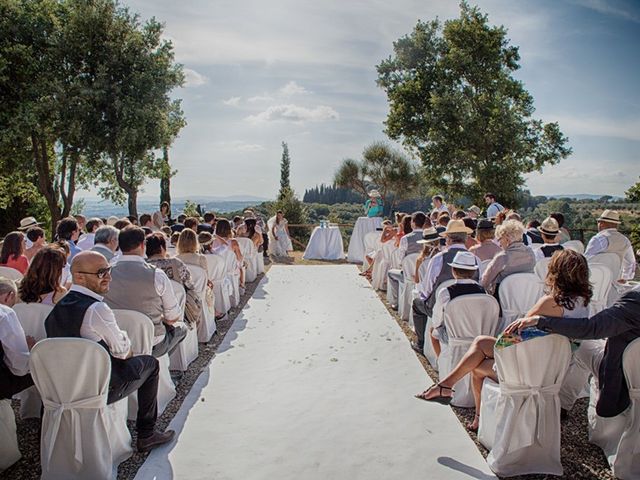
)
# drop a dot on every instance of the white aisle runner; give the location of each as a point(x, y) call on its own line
point(315, 380)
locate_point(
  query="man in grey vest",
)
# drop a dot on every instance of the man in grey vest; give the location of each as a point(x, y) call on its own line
point(138, 286)
point(408, 245)
point(437, 273)
point(106, 241)
point(610, 240)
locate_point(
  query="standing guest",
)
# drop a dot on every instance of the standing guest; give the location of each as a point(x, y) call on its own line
point(162, 217)
point(42, 282)
point(280, 240)
point(106, 241)
point(68, 230)
point(136, 285)
point(473, 212)
point(610, 240)
point(516, 257)
point(35, 237)
point(14, 345)
point(493, 207)
point(486, 249)
point(251, 233)
point(437, 273)
point(156, 250)
point(82, 222)
point(82, 313)
point(564, 236)
point(12, 254)
point(374, 206)
point(549, 230)
point(439, 205)
point(87, 240)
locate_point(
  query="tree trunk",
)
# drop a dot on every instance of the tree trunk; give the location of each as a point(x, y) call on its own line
point(68, 182)
point(132, 202)
point(165, 181)
point(130, 190)
point(45, 180)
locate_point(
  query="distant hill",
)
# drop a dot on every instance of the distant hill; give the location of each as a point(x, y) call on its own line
point(582, 196)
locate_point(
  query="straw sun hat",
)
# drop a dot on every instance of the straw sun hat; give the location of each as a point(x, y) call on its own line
point(429, 235)
point(610, 216)
point(456, 226)
point(28, 222)
point(374, 193)
point(465, 261)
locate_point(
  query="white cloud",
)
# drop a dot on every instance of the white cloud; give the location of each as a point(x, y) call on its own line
point(294, 113)
point(608, 7)
point(260, 98)
point(292, 88)
point(240, 146)
point(193, 78)
point(233, 101)
point(598, 127)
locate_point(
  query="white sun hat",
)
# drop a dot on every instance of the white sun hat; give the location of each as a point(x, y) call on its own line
point(465, 261)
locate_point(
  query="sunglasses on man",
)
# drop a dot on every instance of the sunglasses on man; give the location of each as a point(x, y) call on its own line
point(101, 273)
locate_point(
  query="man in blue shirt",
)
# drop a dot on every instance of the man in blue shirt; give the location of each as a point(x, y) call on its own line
point(493, 207)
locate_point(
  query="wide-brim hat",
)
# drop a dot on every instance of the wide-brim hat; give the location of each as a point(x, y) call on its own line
point(610, 216)
point(549, 227)
point(28, 222)
point(475, 209)
point(374, 193)
point(456, 226)
point(465, 261)
point(484, 224)
point(429, 235)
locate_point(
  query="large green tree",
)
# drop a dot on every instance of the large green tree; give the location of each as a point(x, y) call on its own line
point(453, 102)
point(633, 194)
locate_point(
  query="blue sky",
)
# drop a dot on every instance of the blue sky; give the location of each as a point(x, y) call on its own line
point(263, 71)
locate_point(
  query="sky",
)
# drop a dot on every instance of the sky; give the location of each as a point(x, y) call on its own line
point(303, 71)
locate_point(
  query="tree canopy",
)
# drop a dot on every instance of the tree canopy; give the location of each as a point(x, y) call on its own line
point(633, 194)
point(454, 103)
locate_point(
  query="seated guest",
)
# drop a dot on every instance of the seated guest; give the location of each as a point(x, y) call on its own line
point(156, 250)
point(408, 245)
point(12, 254)
point(65, 279)
point(192, 223)
point(441, 226)
point(87, 240)
point(179, 225)
point(569, 296)
point(486, 249)
point(610, 240)
point(83, 314)
point(437, 273)
point(69, 231)
point(405, 228)
point(41, 283)
point(251, 233)
point(205, 239)
point(188, 249)
point(431, 246)
point(166, 230)
point(473, 212)
point(532, 235)
point(471, 238)
point(137, 285)
point(564, 236)
point(111, 221)
point(224, 240)
point(549, 231)
point(516, 257)
point(147, 222)
point(122, 223)
point(27, 223)
point(388, 233)
point(82, 222)
point(106, 241)
point(459, 214)
point(133, 220)
point(463, 268)
point(14, 345)
point(236, 222)
point(35, 236)
point(208, 223)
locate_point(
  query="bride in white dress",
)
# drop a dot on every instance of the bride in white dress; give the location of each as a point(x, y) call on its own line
point(279, 239)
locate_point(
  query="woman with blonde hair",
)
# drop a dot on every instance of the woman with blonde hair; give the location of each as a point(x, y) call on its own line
point(188, 249)
point(41, 282)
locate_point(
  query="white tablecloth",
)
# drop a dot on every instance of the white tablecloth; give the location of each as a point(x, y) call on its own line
point(363, 226)
point(325, 244)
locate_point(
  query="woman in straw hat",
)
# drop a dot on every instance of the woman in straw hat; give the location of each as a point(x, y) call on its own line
point(374, 206)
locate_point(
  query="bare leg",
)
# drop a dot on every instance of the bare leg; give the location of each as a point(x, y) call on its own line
point(480, 350)
point(435, 343)
point(484, 370)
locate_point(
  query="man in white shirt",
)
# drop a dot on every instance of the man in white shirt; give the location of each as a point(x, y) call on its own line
point(14, 345)
point(493, 207)
point(87, 240)
point(137, 285)
point(609, 240)
point(438, 204)
point(82, 313)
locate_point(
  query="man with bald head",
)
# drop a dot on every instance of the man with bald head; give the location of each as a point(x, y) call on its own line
point(82, 313)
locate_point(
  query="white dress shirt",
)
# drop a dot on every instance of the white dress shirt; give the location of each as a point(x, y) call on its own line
point(86, 241)
point(435, 267)
point(14, 342)
point(99, 323)
point(599, 244)
point(494, 209)
point(538, 251)
point(170, 305)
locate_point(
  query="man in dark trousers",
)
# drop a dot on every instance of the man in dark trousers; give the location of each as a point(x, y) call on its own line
point(82, 313)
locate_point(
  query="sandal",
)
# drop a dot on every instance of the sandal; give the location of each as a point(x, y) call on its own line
point(470, 426)
point(441, 399)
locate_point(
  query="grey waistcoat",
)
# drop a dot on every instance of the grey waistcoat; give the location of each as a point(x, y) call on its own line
point(412, 245)
point(133, 288)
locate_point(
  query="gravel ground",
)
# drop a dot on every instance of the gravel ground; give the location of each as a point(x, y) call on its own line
point(580, 459)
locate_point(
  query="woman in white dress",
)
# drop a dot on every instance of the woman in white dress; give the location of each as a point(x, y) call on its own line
point(279, 239)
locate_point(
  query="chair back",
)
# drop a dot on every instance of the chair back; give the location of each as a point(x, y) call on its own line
point(10, 273)
point(611, 261)
point(600, 279)
point(388, 250)
point(32, 317)
point(72, 376)
point(199, 277)
point(422, 271)
point(247, 247)
point(139, 328)
point(180, 293)
point(216, 265)
point(542, 267)
point(575, 245)
point(409, 266)
point(518, 293)
point(372, 241)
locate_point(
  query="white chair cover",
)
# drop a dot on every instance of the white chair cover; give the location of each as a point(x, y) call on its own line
point(260, 263)
point(518, 293)
point(405, 293)
point(249, 252)
point(9, 452)
point(521, 424)
point(372, 244)
point(575, 245)
point(207, 325)
point(74, 386)
point(600, 278)
point(233, 274)
point(363, 226)
point(542, 267)
point(139, 328)
point(187, 351)
point(222, 284)
point(428, 350)
point(613, 263)
point(382, 264)
point(619, 436)
point(31, 317)
point(465, 318)
point(10, 273)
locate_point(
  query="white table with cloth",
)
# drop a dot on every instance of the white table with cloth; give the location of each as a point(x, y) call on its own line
point(325, 244)
point(363, 226)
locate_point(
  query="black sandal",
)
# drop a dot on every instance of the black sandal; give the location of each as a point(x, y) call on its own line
point(441, 399)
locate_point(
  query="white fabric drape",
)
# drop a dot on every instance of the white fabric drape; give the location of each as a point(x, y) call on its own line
point(325, 244)
point(518, 293)
point(405, 293)
point(187, 351)
point(9, 452)
point(250, 254)
point(222, 285)
point(364, 225)
point(207, 325)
